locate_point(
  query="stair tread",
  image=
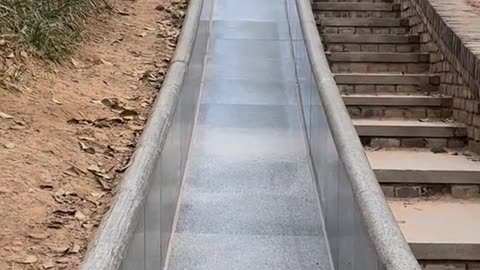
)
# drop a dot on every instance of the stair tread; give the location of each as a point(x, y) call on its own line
point(405, 159)
point(440, 228)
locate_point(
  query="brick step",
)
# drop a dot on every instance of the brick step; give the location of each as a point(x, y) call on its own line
point(422, 166)
point(342, 6)
point(440, 230)
point(362, 30)
point(342, 67)
point(405, 132)
point(353, 1)
point(318, 15)
point(386, 79)
point(372, 47)
point(370, 39)
point(364, 22)
point(397, 100)
point(397, 106)
point(426, 190)
point(378, 57)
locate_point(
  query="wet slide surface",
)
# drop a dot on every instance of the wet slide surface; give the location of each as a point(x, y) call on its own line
point(248, 200)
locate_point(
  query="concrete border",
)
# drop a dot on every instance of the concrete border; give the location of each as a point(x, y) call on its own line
point(111, 241)
point(391, 246)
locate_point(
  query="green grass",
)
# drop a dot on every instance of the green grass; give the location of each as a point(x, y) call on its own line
point(51, 28)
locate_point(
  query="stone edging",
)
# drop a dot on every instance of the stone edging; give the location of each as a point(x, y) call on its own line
point(113, 236)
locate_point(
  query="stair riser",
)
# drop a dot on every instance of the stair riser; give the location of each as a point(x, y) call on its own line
point(379, 57)
point(353, 1)
point(356, 14)
point(385, 89)
point(362, 30)
point(427, 177)
point(364, 22)
point(355, 47)
point(415, 142)
point(342, 6)
point(372, 132)
point(380, 67)
point(398, 112)
point(369, 39)
point(417, 190)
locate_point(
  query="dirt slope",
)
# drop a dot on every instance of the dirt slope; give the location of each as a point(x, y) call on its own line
point(66, 139)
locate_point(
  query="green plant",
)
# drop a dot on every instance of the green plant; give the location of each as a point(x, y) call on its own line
point(50, 27)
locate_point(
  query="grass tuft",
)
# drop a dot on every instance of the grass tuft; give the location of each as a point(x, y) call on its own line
point(50, 27)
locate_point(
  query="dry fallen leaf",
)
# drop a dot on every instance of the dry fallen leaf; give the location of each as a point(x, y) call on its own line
point(87, 148)
point(80, 216)
point(73, 171)
point(135, 127)
point(10, 145)
point(38, 236)
point(5, 116)
point(105, 62)
point(94, 168)
point(128, 114)
point(56, 101)
point(75, 248)
point(60, 249)
point(85, 138)
point(29, 259)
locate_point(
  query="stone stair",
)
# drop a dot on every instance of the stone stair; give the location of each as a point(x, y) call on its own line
point(414, 146)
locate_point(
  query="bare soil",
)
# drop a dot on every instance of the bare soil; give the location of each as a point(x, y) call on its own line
point(67, 135)
point(475, 4)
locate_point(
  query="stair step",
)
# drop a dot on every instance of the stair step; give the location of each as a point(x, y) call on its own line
point(398, 128)
point(440, 229)
point(386, 78)
point(342, 6)
point(364, 22)
point(378, 57)
point(370, 38)
point(353, 1)
point(404, 165)
point(396, 100)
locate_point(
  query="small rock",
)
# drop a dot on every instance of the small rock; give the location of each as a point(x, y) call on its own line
point(10, 145)
point(29, 259)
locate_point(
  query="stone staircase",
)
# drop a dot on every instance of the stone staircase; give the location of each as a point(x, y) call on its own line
point(414, 146)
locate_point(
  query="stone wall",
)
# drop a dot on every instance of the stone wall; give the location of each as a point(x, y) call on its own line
point(454, 54)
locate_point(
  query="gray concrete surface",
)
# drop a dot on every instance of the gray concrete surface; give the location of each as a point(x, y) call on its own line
point(248, 199)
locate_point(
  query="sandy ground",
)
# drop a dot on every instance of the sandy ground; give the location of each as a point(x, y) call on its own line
point(65, 140)
point(475, 4)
